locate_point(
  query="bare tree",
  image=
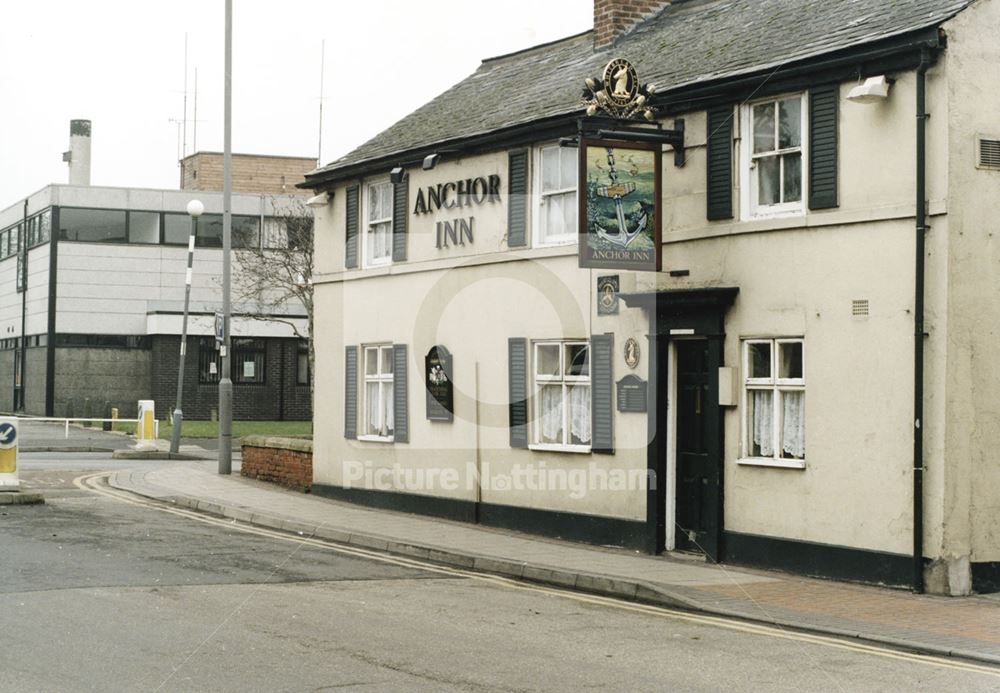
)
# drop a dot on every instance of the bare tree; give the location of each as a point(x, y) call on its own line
point(273, 274)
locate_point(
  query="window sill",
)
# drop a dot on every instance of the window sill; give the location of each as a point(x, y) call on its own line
point(375, 439)
point(557, 241)
point(549, 447)
point(771, 462)
point(763, 214)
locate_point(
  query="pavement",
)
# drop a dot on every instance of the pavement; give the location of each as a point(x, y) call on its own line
point(965, 627)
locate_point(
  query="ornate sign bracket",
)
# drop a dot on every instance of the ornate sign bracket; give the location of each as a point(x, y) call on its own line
point(620, 96)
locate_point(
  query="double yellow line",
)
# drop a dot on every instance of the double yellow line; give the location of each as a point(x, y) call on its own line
point(92, 483)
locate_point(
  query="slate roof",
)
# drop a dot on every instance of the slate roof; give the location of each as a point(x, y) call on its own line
point(683, 44)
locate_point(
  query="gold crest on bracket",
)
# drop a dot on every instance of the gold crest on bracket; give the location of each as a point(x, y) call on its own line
point(618, 92)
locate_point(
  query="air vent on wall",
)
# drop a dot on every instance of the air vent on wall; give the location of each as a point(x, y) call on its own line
point(988, 152)
point(859, 307)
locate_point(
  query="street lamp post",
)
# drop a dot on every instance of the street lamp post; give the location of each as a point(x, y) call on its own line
point(195, 209)
point(225, 379)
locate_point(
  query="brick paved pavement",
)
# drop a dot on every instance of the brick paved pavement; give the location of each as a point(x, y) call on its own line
point(961, 626)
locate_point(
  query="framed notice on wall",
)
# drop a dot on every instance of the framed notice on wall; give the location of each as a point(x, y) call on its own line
point(619, 198)
point(437, 378)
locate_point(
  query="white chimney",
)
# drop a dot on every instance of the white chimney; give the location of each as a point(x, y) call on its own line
point(78, 155)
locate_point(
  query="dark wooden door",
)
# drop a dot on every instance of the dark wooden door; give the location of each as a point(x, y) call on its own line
point(699, 491)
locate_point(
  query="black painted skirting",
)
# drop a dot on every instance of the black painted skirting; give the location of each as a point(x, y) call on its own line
point(818, 560)
point(591, 529)
point(986, 577)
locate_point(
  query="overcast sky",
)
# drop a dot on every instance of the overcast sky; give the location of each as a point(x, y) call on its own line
point(120, 64)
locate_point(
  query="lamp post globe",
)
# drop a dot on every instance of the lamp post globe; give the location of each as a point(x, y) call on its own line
point(195, 208)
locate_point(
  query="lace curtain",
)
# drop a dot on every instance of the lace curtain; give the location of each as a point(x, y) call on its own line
point(579, 414)
point(551, 403)
point(380, 415)
point(793, 428)
point(551, 414)
point(763, 431)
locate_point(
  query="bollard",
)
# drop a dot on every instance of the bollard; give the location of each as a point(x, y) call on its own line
point(114, 418)
point(87, 412)
point(145, 433)
point(106, 414)
point(8, 454)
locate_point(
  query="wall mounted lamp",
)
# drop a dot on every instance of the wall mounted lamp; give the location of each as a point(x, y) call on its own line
point(430, 161)
point(872, 90)
point(318, 200)
point(396, 174)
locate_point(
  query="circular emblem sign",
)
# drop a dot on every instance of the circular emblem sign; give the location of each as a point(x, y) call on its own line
point(631, 352)
point(621, 82)
point(8, 435)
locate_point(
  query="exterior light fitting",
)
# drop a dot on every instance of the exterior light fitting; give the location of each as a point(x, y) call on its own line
point(430, 161)
point(396, 174)
point(320, 200)
point(872, 90)
point(195, 208)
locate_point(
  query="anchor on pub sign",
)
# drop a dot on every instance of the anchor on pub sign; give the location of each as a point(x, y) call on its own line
point(618, 191)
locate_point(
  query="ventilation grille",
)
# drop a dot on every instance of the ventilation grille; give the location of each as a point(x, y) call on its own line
point(989, 153)
point(859, 307)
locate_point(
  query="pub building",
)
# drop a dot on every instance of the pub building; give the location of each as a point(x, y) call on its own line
point(708, 278)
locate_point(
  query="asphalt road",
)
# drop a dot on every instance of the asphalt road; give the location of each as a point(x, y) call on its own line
point(100, 594)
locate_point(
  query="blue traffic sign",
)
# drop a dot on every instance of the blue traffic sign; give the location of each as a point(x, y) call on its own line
point(8, 435)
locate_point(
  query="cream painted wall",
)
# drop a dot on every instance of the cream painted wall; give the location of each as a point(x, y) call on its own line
point(971, 521)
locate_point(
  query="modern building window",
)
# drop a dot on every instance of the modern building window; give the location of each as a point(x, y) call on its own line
point(92, 225)
point(774, 156)
point(176, 229)
point(378, 223)
point(249, 358)
point(555, 184)
point(283, 233)
point(143, 227)
point(209, 361)
point(45, 226)
point(562, 394)
point(302, 370)
point(378, 390)
point(246, 232)
point(774, 402)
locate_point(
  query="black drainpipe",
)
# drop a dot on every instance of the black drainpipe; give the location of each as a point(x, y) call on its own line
point(918, 342)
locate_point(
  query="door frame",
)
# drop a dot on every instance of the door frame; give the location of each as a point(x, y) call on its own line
point(676, 314)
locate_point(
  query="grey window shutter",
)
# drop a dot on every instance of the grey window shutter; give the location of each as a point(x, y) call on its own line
point(517, 198)
point(400, 410)
point(351, 392)
point(823, 105)
point(351, 236)
point(720, 163)
point(517, 379)
point(602, 405)
point(400, 202)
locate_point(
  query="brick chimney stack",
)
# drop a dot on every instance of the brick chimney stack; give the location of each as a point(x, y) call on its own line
point(612, 18)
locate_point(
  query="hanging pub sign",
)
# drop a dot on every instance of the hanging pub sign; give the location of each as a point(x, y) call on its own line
point(438, 375)
point(620, 207)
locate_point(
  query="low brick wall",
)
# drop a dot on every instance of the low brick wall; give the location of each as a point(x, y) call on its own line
point(285, 461)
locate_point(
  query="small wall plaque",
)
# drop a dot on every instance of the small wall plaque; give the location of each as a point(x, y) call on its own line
point(631, 352)
point(607, 295)
point(632, 392)
point(437, 378)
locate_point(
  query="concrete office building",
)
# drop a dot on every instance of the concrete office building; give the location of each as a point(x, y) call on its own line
point(92, 299)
